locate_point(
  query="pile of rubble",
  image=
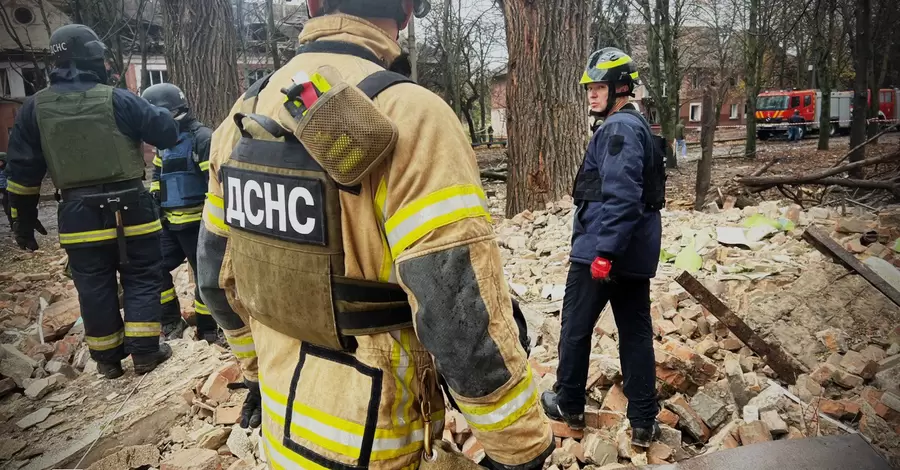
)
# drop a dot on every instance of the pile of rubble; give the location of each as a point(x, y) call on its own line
point(715, 392)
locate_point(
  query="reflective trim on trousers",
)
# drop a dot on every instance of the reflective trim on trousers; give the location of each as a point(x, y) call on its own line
point(105, 343)
point(200, 308)
point(242, 347)
point(214, 214)
point(108, 234)
point(22, 190)
point(142, 329)
point(167, 296)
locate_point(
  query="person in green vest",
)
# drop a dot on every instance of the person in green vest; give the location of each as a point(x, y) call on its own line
point(87, 136)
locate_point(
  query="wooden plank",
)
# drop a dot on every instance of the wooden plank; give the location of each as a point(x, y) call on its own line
point(773, 355)
point(818, 238)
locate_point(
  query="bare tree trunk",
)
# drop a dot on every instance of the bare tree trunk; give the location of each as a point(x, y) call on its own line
point(547, 124)
point(272, 34)
point(858, 126)
point(413, 49)
point(707, 136)
point(822, 48)
point(750, 72)
point(200, 55)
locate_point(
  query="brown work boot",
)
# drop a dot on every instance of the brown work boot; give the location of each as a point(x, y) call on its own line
point(144, 363)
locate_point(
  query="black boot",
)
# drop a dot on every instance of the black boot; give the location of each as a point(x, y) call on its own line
point(643, 437)
point(214, 337)
point(174, 330)
point(144, 363)
point(550, 403)
point(110, 370)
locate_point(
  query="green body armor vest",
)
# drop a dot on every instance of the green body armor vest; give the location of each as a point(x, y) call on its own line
point(80, 139)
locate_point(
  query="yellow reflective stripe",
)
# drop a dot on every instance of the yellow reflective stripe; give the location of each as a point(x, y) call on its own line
point(105, 343)
point(14, 213)
point(341, 436)
point(142, 329)
point(282, 458)
point(167, 296)
point(436, 210)
point(320, 83)
point(200, 308)
point(634, 75)
point(204, 166)
point(242, 347)
point(387, 261)
point(585, 79)
point(614, 63)
point(214, 212)
point(496, 416)
point(157, 161)
point(154, 186)
point(184, 217)
point(108, 234)
point(22, 190)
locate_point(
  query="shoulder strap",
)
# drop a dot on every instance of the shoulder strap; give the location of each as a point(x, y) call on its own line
point(379, 81)
point(257, 86)
point(340, 47)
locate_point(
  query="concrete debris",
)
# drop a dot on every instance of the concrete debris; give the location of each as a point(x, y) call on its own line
point(689, 421)
point(213, 439)
point(34, 418)
point(192, 459)
point(133, 457)
point(773, 421)
point(751, 414)
point(712, 411)
point(598, 451)
point(754, 433)
point(9, 447)
point(240, 445)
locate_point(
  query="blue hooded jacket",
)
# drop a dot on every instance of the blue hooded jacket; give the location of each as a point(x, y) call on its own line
point(618, 226)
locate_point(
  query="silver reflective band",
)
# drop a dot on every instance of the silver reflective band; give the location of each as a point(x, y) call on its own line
point(447, 206)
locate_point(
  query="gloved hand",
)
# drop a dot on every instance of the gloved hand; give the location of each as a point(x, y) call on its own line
point(25, 233)
point(251, 413)
point(600, 269)
point(155, 196)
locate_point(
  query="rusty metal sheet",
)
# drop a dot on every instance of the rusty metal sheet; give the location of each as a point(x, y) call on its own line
point(844, 452)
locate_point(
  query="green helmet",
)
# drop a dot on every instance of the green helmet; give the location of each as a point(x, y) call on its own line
point(611, 65)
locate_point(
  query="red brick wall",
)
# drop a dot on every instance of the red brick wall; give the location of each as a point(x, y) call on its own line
point(7, 119)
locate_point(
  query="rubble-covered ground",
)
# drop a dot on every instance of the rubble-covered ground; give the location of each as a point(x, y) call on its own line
point(715, 393)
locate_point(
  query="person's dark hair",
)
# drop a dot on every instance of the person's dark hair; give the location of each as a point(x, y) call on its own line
point(368, 8)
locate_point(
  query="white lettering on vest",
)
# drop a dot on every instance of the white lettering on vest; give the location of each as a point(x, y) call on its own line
point(308, 226)
point(253, 187)
point(235, 210)
point(273, 205)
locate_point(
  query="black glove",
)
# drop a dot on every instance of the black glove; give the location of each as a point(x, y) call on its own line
point(251, 413)
point(24, 229)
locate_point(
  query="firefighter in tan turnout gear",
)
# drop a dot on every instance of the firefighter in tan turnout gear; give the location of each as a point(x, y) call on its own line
point(347, 221)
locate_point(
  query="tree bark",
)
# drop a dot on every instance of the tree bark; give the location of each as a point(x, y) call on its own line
point(810, 177)
point(707, 136)
point(200, 55)
point(413, 49)
point(547, 123)
point(750, 72)
point(272, 34)
point(858, 126)
point(822, 48)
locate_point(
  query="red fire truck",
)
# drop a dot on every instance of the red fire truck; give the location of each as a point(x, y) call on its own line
point(774, 108)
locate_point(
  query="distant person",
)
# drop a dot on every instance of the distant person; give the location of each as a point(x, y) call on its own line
point(680, 143)
point(4, 196)
point(490, 131)
point(795, 131)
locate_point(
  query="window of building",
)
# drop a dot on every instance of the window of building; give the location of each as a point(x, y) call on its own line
point(23, 15)
point(695, 112)
point(807, 100)
point(33, 79)
point(257, 74)
point(157, 77)
point(734, 111)
point(4, 82)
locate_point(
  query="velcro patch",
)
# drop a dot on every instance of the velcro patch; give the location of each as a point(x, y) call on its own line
point(616, 142)
point(290, 208)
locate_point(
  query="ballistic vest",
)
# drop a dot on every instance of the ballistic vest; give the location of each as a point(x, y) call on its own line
point(589, 186)
point(81, 141)
point(284, 216)
point(181, 182)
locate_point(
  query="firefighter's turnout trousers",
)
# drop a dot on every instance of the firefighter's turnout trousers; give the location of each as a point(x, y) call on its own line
point(179, 242)
point(94, 260)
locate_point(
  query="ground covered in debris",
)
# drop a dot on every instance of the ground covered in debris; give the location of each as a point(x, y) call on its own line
point(842, 334)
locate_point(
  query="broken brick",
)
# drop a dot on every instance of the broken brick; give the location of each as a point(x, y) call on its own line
point(773, 421)
point(856, 364)
point(731, 344)
point(823, 373)
point(615, 400)
point(846, 379)
point(754, 433)
point(603, 419)
point(690, 421)
point(673, 378)
point(192, 459)
point(573, 447)
point(666, 327)
point(228, 415)
point(668, 418)
point(833, 339)
point(873, 353)
point(659, 453)
point(473, 449)
point(794, 433)
point(598, 451)
point(563, 430)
